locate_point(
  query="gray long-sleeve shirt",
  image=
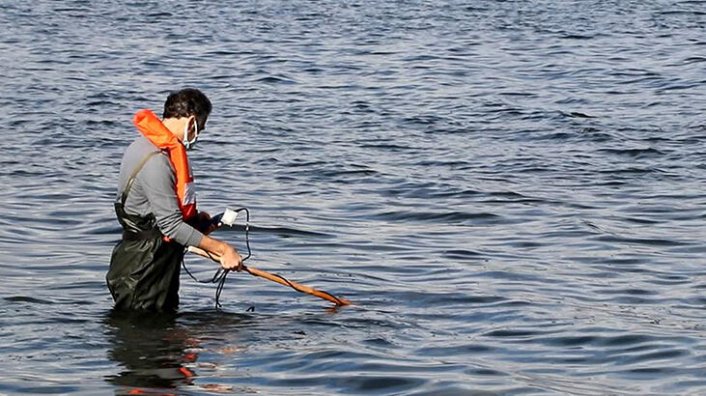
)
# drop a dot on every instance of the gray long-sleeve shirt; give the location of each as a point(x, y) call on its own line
point(153, 191)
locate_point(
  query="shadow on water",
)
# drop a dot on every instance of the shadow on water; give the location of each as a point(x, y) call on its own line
point(208, 351)
point(155, 351)
point(151, 350)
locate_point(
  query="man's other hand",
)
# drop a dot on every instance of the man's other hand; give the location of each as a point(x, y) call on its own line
point(231, 260)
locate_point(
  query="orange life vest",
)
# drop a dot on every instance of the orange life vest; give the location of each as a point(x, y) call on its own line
point(153, 129)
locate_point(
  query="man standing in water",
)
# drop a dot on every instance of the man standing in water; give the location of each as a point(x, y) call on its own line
point(156, 207)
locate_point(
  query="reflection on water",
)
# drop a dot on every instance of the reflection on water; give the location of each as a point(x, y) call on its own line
point(160, 353)
point(151, 349)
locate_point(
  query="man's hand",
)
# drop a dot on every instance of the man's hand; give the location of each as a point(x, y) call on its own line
point(221, 252)
point(231, 260)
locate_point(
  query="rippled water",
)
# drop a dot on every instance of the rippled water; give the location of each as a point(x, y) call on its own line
point(512, 193)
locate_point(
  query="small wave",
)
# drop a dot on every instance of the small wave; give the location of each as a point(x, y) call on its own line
point(461, 254)
point(387, 147)
point(576, 114)
point(302, 164)
point(574, 36)
point(515, 333)
point(348, 172)
point(630, 170)
point(640, 220)
point(444, 163)
point(163, 14)
point(634, 153)
point(102, 123)
point(519, 94)
point(682, 12)
point(423, 120)
point(451, 217)
point(693, 59)
point(450, 299)
point(276, 80)
point(27, 299)
point(641, 241)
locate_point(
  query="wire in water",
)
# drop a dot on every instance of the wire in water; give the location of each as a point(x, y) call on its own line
point(221, 274)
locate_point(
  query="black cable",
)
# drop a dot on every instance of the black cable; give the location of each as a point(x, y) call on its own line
point(221, 274)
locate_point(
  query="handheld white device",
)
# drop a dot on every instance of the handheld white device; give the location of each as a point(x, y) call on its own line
point(228, 217)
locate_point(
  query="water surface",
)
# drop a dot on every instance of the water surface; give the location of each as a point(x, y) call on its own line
point(510, 192)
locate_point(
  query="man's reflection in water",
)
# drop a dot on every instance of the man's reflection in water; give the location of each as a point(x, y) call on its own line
point(152, 350)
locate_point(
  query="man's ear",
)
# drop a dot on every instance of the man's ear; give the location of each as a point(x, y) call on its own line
point(191, 124)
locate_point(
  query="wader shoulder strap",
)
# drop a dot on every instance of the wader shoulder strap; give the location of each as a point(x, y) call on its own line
point(137, 170)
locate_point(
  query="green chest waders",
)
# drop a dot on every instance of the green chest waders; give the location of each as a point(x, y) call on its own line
point(144, 268)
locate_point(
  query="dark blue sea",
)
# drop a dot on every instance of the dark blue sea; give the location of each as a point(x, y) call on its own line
point(511, 193)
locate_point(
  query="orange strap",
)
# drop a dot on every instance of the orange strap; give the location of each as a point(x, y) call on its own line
point(153, 129)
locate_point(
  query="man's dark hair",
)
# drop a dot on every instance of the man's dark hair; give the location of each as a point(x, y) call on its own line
point(188, 102)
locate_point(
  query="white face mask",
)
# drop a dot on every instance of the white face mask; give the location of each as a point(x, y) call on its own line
point(190, 143)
